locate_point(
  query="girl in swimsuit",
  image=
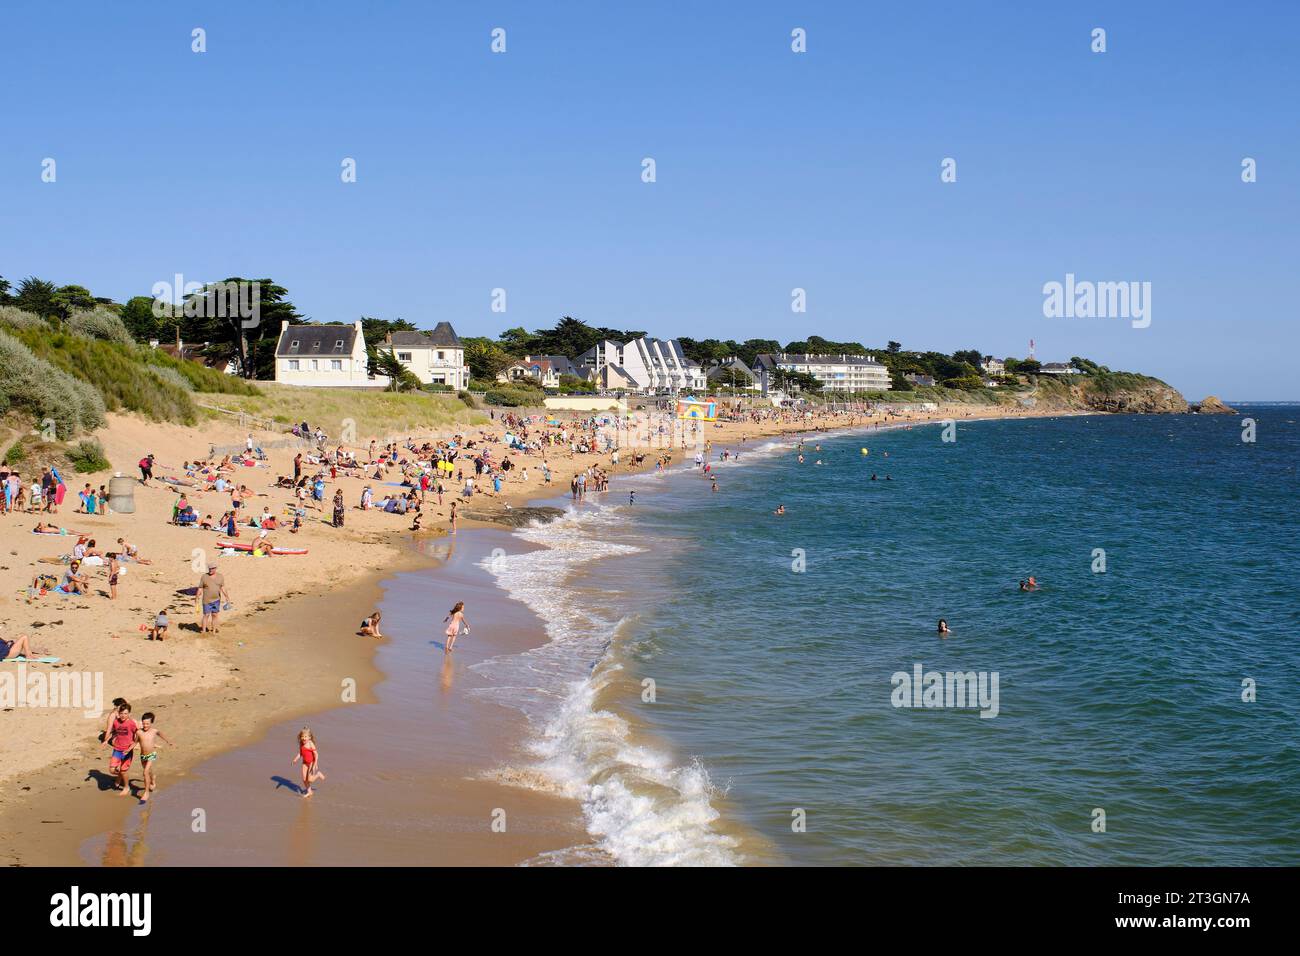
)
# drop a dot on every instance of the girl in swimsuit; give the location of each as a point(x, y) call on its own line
point(310, 758)
point(455, 617)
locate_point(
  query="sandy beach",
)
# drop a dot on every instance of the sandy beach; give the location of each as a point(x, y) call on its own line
point(289, 646)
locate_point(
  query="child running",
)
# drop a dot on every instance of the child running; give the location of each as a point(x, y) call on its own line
point(456, 617)
point(147, 736)
point(310, 758)
point(120, 735)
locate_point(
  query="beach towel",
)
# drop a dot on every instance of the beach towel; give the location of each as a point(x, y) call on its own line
point(32, 660)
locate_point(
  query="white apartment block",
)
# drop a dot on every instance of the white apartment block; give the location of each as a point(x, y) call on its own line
point(837, 373)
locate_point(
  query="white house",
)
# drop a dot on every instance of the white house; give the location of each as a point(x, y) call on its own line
point(837, 373)
point(992, 366)
point(1058, 368)
point(646, 365)
point(323, 356)
point(435, 358)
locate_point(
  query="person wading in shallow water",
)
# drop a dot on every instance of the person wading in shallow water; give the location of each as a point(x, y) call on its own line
point(455, 618)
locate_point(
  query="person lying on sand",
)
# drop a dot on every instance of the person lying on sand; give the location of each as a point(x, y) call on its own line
point(20, 646)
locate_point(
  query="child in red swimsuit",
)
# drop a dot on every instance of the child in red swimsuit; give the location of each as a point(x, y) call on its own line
point(310, 758)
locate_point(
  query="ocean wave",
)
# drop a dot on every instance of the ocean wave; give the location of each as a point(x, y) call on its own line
point(641, 806)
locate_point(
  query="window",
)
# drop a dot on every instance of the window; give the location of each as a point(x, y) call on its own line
point(338, 345)
point(293, 365)
point(315, 346)
point(293, 344)
point(312, 365)
point(336, 365)
point(440, 356)
point(403, 356)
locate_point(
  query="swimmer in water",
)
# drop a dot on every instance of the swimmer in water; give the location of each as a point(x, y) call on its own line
point(943, 628)
point(780, 510)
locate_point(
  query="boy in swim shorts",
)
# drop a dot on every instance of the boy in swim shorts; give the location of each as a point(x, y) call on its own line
point(121, 737)
point(147, 736)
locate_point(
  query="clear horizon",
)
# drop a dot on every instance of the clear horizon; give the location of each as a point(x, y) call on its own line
point(775, 170)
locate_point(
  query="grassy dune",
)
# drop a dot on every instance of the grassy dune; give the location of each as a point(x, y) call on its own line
point(374, 414)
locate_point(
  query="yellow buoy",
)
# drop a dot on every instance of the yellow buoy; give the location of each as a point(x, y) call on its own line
point(866, 451)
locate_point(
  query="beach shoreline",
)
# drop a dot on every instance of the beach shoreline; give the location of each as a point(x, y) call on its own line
point(289, 630)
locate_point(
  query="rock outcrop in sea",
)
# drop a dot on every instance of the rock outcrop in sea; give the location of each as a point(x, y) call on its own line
point(1212, 405)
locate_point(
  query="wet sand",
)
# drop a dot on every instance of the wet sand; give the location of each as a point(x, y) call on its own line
point(408, 776)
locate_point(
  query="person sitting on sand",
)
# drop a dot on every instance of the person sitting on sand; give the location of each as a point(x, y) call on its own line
point(370, 626)
point(158, 632)
point(74, 582)
point(264, 546)
point(130, 552)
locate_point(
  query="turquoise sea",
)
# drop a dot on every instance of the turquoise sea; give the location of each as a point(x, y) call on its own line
point(1119, 691)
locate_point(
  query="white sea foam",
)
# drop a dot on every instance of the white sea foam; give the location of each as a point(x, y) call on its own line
point(642, 808)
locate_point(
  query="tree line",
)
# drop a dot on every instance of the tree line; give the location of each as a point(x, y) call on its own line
point(253, 348)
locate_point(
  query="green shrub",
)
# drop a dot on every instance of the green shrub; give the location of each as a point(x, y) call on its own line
point(87, 457)
point(45, 390)
point(200, 377)
point(513, 397)
point(100, 324)
point(171, 376)
point(116, 372)
point(15, 454)
point(467, 398)
point(16, 318)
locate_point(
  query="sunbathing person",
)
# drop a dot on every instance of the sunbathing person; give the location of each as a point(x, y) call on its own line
point(21, 646)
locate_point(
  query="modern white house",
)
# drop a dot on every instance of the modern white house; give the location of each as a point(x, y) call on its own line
point(837, 373)
point(435, 358)
point(323, 356)
point(1058, 368)
point(645, 365)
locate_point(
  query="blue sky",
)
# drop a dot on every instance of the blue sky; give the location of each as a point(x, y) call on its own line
point(775, 170)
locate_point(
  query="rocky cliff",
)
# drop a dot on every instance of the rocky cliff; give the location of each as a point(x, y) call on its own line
point(1121, 392)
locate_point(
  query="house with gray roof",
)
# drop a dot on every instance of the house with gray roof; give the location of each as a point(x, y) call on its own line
point(323, 356)
point(435, 358)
